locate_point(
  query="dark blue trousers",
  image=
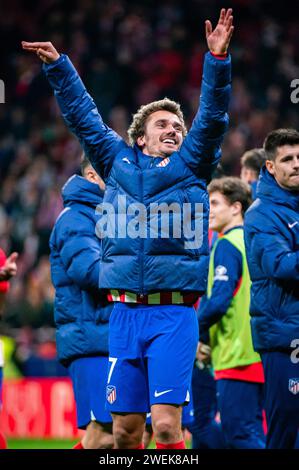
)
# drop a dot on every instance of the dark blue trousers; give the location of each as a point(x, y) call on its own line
point(281, 400)
point(240, 404)
point(206, 432)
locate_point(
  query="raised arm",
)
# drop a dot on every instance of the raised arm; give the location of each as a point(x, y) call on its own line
point(78, 108)
point(201, 147)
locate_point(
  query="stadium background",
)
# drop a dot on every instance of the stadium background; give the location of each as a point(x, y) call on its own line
point(128, 53)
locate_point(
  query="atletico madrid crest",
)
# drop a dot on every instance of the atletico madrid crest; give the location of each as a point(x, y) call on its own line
point(164, 162)
point(111, 393)
point(294, 386)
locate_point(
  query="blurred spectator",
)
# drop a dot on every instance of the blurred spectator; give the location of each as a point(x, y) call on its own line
point(251, 163)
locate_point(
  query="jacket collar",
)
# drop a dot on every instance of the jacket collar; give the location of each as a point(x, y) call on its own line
point(79, 189)
point(146, 161)
point(267, 188)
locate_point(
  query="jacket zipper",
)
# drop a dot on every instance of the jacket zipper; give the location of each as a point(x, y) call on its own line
point(141, 280)
point(141, 253)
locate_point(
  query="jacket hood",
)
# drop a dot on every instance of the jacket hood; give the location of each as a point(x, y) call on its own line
point(268, 188)
point(79, 189)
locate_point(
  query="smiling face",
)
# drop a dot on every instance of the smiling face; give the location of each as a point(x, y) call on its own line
point(285, 167)
point(163, 134)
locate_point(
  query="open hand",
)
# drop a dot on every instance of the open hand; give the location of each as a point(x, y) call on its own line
point(9, 269)
point(44, 50)
point(219, 39)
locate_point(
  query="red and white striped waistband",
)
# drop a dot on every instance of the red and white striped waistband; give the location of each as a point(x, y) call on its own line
point(158, 298)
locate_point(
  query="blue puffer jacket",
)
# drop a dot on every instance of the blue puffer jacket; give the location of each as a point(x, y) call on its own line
point(81, 314)
point(151, 262)
point(272, 247)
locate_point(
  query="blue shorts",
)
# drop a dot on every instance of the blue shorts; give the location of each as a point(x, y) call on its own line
point(187, 414)
point(89, 377)
point(152, 350)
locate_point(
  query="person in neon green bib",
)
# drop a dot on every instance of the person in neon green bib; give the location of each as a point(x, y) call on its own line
point(224, 322)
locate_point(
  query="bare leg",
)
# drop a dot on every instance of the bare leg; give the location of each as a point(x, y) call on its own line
point(166, 422)
point(128, 430)
point(98, 436)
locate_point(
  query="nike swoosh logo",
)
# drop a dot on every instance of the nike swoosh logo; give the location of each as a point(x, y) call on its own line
point(158, 394)
point(292, 225)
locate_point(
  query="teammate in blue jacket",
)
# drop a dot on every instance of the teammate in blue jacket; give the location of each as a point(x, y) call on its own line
point(154, 228)
point(81, 313)
point(272, 248)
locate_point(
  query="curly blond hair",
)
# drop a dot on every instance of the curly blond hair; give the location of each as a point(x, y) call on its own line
point(137, 127)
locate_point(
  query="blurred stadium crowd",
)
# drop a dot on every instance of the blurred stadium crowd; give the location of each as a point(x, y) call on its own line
point(128, 53)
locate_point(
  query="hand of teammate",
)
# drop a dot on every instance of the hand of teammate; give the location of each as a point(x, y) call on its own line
point(219, 39)
point(44, 50)
point(203, 353)
point(9, 269)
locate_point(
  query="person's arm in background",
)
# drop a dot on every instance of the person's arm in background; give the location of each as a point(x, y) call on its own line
point(79, 249)
point(78, 109)
point(228, 271)
point(272, 250)
point(201, 147)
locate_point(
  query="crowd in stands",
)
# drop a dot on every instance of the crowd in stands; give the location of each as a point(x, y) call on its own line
point(128, 53)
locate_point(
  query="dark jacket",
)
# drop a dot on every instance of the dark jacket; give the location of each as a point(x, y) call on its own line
point(150, 261)
point(81, 314)
point(272, 250)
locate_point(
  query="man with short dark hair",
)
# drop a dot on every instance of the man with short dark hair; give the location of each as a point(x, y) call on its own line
point(153, 274)
point(224, 322)
point(251, 164)
point(272, 248)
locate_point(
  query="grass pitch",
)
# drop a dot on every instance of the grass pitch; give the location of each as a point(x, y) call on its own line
point(55, 443)
point(41, 443)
